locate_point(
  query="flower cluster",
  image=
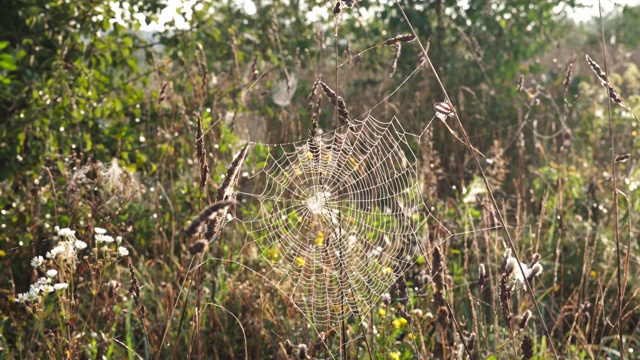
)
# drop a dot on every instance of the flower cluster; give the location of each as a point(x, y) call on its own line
point(101, 237)
point(43, 286)
point(66, 249)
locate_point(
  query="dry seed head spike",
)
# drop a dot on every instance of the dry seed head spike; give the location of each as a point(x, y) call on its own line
point(396, 57)
point(343, 113)
point(399, 39)
point(613, 94)
point(200, 152)
point(226, 191)
point(214, 210)
point(312, 96)
point(567, 77)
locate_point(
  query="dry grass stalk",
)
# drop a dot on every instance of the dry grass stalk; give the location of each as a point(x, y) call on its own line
point(399, 39)
point(567, 77)
point(312, 97)
point(343, 113)
point(253, 70)
point(226, 191)
point(520, 86)
point(202, 65)
point(613, 94)
point(396, 56)
point(201, 154)
point(214, 211)
point(135, 293)
point(437, 274)
point(163, 92)
point(314, 147)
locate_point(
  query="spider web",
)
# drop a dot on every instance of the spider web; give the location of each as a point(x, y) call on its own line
point(338, 216)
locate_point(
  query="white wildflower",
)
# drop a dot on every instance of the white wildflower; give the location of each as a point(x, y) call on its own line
point(32, 295)
point(52, 273)
point(60, 286)
point(64, 251)
point(55, 251)
point(66, 232)
point(37, 261)
point(123, 251)
point(47, 288)
point(79, 244)
point(118, 239)
point(104, 238)
point(99, 230)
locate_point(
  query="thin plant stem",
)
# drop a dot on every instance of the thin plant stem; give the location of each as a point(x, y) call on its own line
point(615, 187)
point(486, 183)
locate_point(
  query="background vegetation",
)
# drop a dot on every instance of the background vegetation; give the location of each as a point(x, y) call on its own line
point(97, 129)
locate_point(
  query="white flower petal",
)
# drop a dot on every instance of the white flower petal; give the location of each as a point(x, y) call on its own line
point(52, 272)
point(37, 261)
point(60, 286)
point(104, 238)
point(79, 244)
point(123, 251)
point(66, 232)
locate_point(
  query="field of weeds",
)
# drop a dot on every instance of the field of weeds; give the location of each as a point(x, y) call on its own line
point(318, 180)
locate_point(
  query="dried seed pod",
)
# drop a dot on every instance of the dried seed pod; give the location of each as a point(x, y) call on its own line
point(623, 158)
point(472, 341)
point(443, 316)
point(525, 319)
point(535, 271)
point(302, 352)
point(482, 277)
point(536, 258)
point(288, 347)
point(198, 247)
point(338, 8)
point(405, 316)
point(520, 86)
point(113, 288)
